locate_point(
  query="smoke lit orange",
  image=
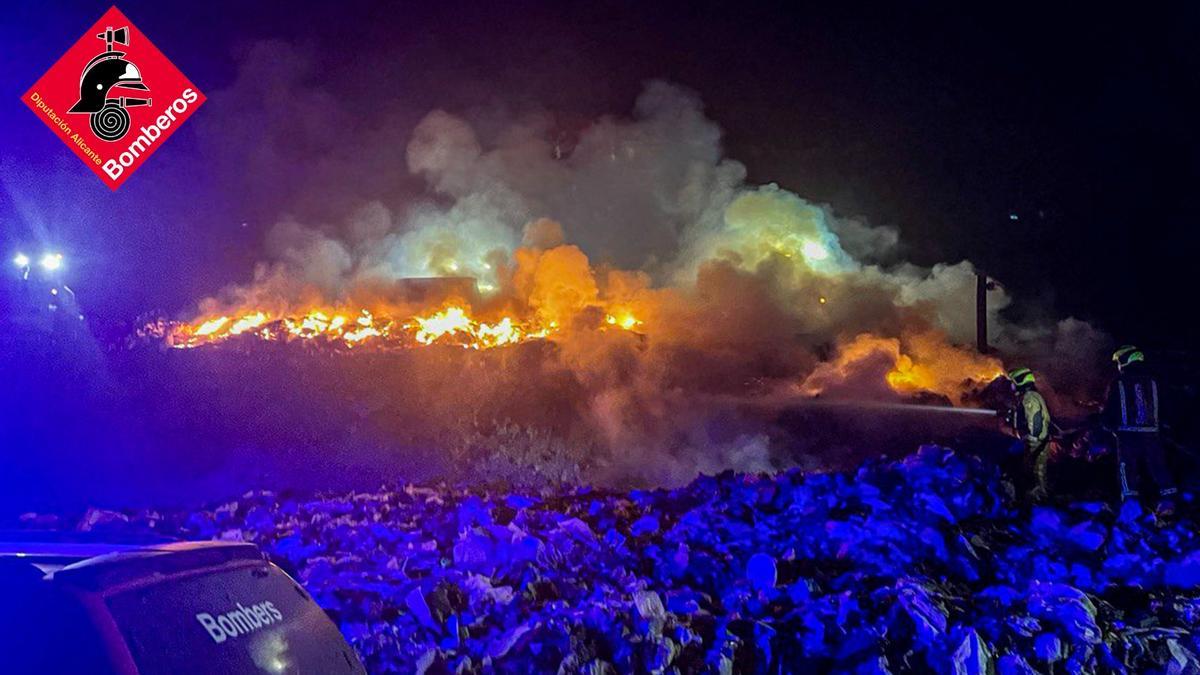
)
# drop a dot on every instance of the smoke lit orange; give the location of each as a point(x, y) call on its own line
point(923, 362)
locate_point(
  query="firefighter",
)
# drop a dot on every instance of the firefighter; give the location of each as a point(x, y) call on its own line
point(1131, 412)
point(1030, 421)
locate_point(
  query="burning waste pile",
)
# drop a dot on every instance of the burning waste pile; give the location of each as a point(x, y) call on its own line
point(631, 270)
point(918, 565)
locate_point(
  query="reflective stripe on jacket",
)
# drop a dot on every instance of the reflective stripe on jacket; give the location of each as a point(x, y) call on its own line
point(1132, 404)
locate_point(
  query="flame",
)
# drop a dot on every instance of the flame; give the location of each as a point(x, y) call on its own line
point(247, 322)
point(922, 362)
point(625, 321)
point(552, 294)
point(549, 291)
point(447, 323)
point(366, 329)
point(451, 325)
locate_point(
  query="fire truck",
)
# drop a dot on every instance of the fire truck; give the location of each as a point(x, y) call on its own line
point(77, 604)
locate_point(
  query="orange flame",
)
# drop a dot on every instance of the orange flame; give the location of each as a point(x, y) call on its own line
point(547, 291)
point(452, 325)
point(551, 294)
point(918, 363)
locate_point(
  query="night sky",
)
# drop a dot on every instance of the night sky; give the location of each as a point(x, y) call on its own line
point(939, 121)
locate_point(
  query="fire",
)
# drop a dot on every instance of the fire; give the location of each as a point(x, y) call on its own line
point(548, 294)
point(247, 322)
point(451, 325)
point(365, 329)
point(211, 326)
point(625, 321)
point(447, 323)
point(922, 362)
point(554, 293)
point(454, 325)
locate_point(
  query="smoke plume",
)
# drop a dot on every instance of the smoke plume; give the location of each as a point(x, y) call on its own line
point(731, 295)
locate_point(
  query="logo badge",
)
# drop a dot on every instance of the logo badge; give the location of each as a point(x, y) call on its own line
point(113, 98)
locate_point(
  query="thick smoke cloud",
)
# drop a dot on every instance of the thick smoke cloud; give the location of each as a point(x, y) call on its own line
point(744, 293)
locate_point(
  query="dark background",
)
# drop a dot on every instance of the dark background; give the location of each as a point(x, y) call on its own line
point(939, 120)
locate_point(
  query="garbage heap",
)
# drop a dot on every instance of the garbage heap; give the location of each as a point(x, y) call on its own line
point(918, 565)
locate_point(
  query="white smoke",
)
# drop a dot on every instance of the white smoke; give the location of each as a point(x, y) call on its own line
point(763, 284)
point(652, 192)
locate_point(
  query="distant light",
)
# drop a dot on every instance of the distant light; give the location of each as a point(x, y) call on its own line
point(51, 261)
point(814, 250)
point(1013, 216)
point(822, 300)
point(21, 260)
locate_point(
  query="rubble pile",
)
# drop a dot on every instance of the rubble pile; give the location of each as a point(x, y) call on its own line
point(918, 565)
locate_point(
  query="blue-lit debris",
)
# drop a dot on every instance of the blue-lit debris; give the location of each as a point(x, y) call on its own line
point(920, 565)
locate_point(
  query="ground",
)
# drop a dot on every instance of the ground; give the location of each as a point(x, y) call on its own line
point(906, 566)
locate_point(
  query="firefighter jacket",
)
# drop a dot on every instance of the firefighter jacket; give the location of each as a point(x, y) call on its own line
point(1031, 418)
point(1131, 404)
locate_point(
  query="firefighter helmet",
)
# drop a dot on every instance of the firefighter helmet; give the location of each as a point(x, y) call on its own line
point(1021, 377)
point(1126, 355)
point(105, 72)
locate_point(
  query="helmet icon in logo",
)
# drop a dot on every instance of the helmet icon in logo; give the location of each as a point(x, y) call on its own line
point(109, 70)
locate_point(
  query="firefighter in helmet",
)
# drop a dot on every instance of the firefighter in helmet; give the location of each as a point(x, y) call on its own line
point(1131, 412)
point(1029, 418)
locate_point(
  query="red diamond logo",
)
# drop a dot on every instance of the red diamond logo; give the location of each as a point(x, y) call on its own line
point(113, 98)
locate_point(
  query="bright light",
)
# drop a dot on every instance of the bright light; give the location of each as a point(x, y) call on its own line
point(212, 325)
point(814, 250)
point(51, 261)
point(21, 260)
